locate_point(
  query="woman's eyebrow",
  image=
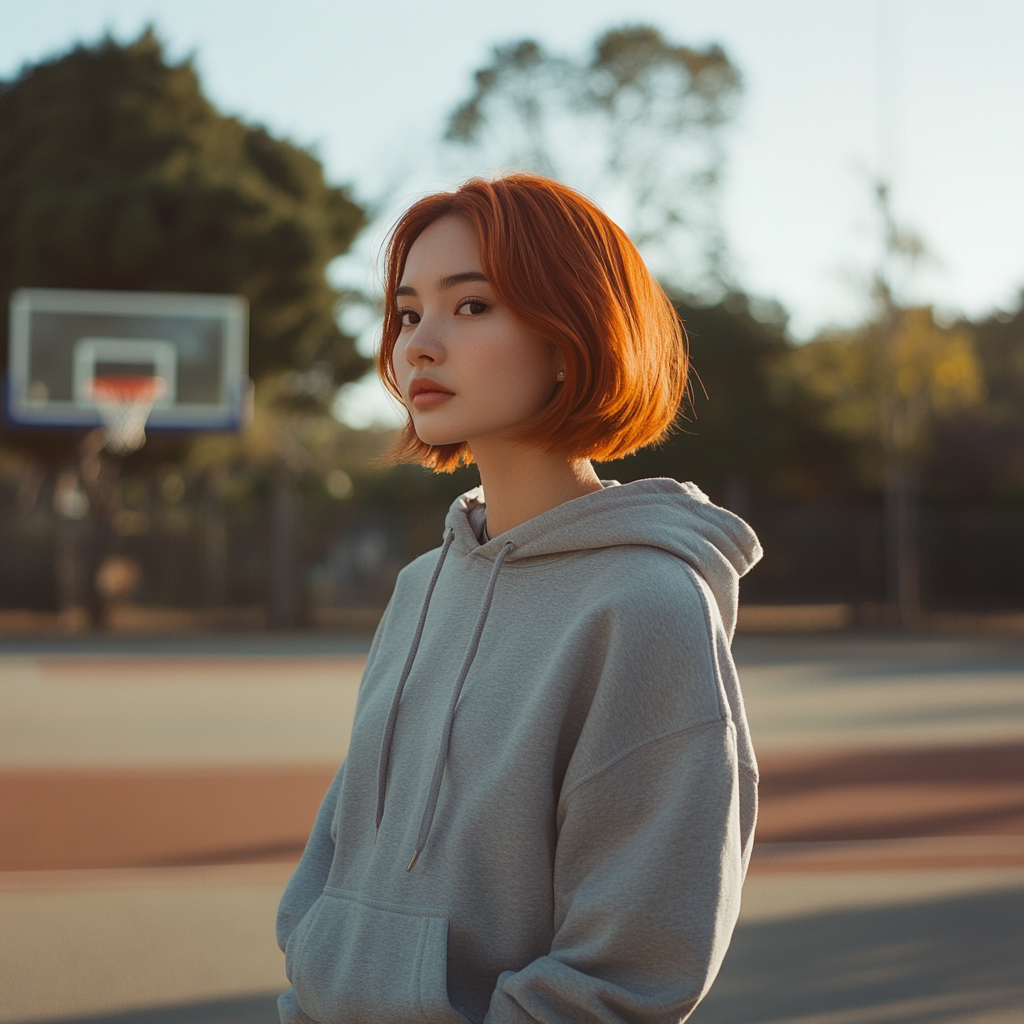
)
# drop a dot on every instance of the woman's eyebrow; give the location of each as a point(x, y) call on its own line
point(453, 279)
point(446, 282)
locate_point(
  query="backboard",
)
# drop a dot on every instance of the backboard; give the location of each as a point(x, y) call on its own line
point(61, 340)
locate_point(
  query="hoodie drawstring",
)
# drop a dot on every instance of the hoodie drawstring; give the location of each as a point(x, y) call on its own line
point(389, 727)
point(384, 762)
point(442, 751)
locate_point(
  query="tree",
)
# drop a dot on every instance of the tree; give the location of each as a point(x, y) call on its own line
point(638, 125)
point(977, 450)
point(117, 173)
point(885, 386)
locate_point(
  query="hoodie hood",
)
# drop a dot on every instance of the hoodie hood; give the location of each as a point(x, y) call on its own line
point(660, 513)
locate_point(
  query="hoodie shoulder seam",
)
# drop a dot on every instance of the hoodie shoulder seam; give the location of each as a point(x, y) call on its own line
point(662, 737)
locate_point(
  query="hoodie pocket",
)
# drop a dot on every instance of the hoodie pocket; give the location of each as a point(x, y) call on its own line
point(359, 959)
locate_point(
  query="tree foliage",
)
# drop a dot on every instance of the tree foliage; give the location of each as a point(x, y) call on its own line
point(977, 449)
point(637, 124)
point(117, 173)
point(945, 400)
point(823, 420)
point(877, 384)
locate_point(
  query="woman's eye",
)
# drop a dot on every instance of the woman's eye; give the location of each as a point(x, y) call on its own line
point(408, 317)
point(472, 307)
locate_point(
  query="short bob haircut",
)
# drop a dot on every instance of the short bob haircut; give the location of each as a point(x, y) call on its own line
point(570, 275)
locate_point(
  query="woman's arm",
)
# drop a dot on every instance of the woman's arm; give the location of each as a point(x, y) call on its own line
point(655, 824)
point(648, 873)
point(310, 877)
point(307, 883)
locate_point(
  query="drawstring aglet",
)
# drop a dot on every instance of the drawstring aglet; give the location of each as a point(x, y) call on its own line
point(413, 861)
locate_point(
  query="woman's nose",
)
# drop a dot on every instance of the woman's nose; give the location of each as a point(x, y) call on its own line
point(424, 346)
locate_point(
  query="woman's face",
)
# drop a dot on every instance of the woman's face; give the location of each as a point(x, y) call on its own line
point(467, 369)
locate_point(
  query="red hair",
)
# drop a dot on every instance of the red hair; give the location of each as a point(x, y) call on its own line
point(571, 275)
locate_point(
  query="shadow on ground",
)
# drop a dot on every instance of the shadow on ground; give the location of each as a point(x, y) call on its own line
point(247, 1010)
point(917, 963)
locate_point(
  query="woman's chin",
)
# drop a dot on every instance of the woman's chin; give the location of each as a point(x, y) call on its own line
point(438, 438)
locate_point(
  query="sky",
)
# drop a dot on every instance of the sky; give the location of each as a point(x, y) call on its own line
point(926, 93)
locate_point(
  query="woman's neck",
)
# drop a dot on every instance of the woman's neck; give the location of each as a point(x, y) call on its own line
point(521, 482)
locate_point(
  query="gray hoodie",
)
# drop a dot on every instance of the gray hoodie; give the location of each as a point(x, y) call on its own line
point(549, 798)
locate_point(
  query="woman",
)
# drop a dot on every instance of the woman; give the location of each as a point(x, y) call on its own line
point(548, 802)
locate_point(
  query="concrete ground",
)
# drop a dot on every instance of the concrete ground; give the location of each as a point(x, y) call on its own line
point(881, 919)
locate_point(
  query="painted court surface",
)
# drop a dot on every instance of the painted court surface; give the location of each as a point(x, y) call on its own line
point(155, 796)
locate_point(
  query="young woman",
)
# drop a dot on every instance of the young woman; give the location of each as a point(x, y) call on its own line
point(548, 802)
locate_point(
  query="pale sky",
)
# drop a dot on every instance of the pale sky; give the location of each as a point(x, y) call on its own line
point(928, 92)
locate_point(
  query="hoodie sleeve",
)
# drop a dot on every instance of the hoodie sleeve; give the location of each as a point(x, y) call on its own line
point(650, 859)
point(647, 892)
point(307, 882)
point(309, 878)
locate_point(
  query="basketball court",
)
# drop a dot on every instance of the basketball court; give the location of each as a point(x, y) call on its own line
point(157, 799)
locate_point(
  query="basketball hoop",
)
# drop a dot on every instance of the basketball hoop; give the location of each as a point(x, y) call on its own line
point(125, 402)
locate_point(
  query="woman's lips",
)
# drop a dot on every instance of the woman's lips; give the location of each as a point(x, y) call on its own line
point(428, 399)
point(425, 393)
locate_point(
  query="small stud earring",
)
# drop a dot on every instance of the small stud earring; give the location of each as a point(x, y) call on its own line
point(561, 374)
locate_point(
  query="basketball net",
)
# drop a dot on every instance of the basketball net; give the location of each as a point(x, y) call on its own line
point(125, 402)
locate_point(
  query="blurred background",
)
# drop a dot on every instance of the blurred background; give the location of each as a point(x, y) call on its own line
point(831, 195)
